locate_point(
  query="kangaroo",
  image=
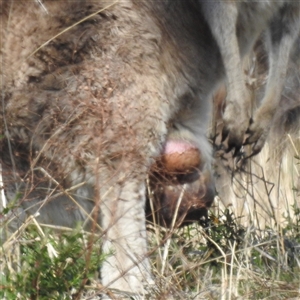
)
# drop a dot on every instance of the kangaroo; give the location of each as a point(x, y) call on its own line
point(89, 90)
point(236, 26)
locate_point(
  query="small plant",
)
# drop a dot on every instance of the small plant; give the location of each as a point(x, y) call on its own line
point(51, 266)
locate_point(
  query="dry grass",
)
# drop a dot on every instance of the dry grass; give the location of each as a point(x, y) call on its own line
point(250, 250)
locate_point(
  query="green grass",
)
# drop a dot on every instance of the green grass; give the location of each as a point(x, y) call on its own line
point(43, 264)
point(235, 257)
point(223, 261)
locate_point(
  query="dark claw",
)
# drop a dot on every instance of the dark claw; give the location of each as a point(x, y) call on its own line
point(248, 131)
point(238, 152)
point(253, 153)
point(225, 133)
point(234, 144)
point(248, 139)
point(249, 142)
point(213, 138)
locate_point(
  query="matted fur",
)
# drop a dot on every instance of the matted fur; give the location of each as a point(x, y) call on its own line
point(89, 88)
point(89, 104)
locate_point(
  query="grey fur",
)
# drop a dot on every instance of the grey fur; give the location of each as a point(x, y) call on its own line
point(236, 25)
point(91, 104)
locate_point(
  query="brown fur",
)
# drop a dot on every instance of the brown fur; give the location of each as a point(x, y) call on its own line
point(89, 88)
point(88, 105)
